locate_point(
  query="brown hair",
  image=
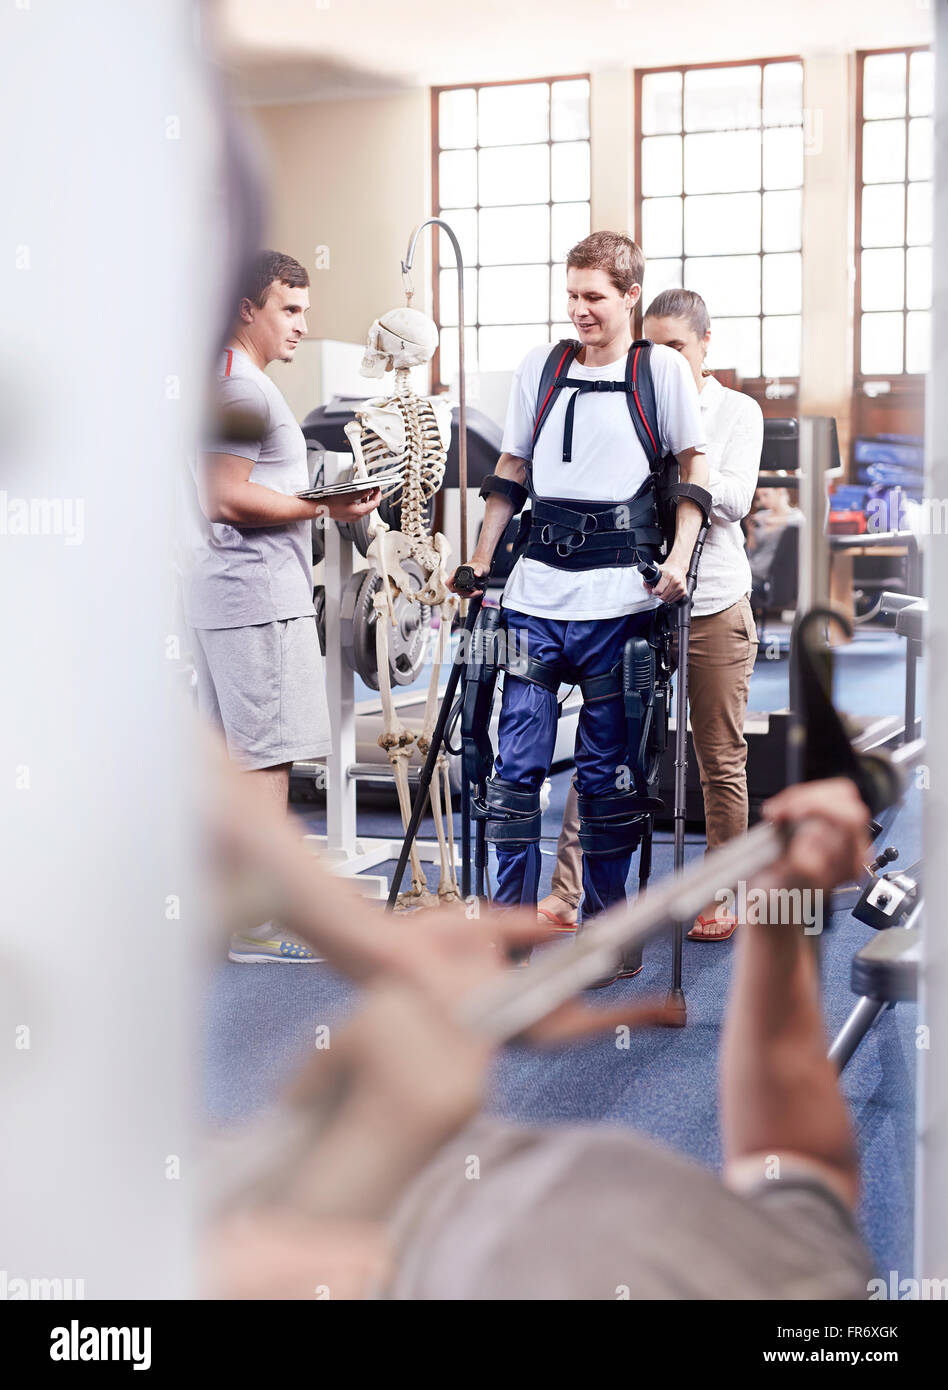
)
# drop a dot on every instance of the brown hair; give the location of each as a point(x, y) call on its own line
point(619, 256)
point(268, 266)
point(681, 304)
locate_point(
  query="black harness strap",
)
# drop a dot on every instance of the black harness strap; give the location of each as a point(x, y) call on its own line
point(604, 687)
point(528, 668)
point(583, 535)
point(579, 388)
point(638, 388)
point(641, 395)
point(558, 360)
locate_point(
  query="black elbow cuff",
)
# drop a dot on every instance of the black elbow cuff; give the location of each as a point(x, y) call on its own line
point(693, 493)
point(514, 492)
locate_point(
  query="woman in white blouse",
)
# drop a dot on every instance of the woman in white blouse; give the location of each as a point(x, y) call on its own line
point(723, 645)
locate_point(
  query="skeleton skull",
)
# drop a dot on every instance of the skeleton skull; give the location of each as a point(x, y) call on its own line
point(400, 338)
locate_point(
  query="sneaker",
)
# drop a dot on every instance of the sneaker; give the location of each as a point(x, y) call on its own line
point(249, 950)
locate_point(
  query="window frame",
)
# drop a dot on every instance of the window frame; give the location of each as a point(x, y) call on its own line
point(901, 380)
point(753, 386)
point(438, 386)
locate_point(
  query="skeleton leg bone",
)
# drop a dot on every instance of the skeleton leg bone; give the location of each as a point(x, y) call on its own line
point(398, 741)
point(448, 889)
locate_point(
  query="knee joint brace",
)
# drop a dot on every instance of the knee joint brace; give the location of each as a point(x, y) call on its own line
point(610, 826)
point(512, 814)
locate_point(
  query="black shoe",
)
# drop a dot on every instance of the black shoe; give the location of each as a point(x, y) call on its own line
point(630, 965)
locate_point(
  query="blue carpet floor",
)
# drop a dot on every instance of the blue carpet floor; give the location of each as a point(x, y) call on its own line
point(261, 1021)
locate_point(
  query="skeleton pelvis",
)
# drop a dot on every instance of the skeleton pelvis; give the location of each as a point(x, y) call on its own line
point(386, 553)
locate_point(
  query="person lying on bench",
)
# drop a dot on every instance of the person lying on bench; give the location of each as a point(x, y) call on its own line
point(384, 1203)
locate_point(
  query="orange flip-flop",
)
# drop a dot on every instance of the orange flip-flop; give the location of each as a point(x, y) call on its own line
point(702, 921)
point(557, 922)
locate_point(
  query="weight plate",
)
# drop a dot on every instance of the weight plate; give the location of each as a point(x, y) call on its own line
point(356, 532)
point(319, 603)
point(408, 639)
point(389, 509)
point(357, 624)
point(316, 461)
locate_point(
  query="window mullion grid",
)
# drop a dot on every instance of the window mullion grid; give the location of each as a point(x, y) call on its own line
point(549, 237)
point(905, 187)
point(681, 126)
point(760, 264)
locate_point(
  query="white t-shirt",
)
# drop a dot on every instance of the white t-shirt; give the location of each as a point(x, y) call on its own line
point(734, 429)
point(608, 465)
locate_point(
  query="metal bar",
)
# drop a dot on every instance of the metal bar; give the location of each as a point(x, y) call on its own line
point(681, 772)
point(462, 392)
point(857, 1025)
point(681, 744)
point(911, 660)
point(378, 772)
point(816, 460)
point(462, 490)
point(341, 829)
point(465, 835)
point(480, 849)
point(505, 1008)
point(869, 539)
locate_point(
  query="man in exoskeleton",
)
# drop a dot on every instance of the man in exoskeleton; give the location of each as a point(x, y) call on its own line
point(593, 433)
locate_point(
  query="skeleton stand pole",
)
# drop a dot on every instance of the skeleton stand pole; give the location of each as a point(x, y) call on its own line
point(462, 489)
point(427, 772)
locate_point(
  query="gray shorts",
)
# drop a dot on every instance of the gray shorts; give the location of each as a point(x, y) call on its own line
point(265, 686)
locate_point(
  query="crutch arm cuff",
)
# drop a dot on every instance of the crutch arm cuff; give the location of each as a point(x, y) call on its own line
point(514, 492)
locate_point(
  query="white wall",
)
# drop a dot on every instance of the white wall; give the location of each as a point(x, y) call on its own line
point(98, 972)
point(348, 184)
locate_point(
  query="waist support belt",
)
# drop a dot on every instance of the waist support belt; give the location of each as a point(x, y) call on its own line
point(583, 535)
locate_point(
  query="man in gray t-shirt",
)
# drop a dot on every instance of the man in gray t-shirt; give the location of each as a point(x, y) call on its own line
point(248, 587)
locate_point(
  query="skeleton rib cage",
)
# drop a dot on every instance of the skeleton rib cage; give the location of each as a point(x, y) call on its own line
point(422, 462)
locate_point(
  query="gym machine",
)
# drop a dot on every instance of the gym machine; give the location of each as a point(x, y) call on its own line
point(885, 971)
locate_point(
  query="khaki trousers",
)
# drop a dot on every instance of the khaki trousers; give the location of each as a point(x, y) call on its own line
point(721, 654)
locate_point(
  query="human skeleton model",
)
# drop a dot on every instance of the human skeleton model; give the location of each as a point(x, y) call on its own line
point(413, 432)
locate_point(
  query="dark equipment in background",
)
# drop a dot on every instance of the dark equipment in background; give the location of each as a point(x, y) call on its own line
point(325, 426)
point(780, 451)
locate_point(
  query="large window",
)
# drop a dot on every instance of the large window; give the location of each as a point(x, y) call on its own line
point(719, 180)
point(894, 212)
point(511, 177)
